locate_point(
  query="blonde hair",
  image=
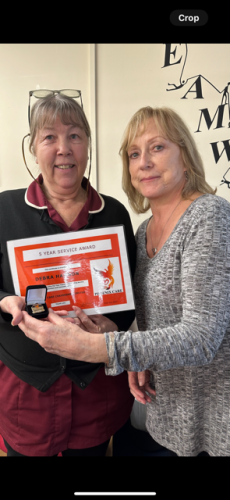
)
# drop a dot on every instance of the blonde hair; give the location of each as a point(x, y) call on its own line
point(175, 130)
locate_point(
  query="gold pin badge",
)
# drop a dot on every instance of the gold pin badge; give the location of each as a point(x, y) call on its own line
point(37, 308)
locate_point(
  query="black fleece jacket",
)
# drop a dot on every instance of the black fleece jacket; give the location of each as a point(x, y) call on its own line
point(26, 358)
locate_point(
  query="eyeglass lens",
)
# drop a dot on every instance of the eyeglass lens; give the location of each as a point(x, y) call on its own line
point(44, 93)
point(40, 93)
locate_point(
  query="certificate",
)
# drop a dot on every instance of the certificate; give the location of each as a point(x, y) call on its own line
point(89, 269)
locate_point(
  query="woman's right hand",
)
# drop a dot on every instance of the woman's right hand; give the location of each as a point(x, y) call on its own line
point(96, 323)
point(13, 305)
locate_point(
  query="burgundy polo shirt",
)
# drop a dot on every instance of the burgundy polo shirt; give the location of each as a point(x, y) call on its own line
point(35, 197)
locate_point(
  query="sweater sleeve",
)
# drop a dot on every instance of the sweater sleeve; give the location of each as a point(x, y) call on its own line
point(205, 297)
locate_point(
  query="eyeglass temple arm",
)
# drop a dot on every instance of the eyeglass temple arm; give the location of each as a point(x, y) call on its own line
point(30, 94)
point(24, 158)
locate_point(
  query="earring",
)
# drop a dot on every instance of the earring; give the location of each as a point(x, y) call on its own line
point(186, 175)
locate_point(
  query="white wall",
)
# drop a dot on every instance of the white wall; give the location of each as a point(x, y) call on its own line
point(116, 80)
point(26, 67)
point(132, 76)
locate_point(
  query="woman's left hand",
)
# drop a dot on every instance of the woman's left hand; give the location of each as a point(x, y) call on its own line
point(139, 386)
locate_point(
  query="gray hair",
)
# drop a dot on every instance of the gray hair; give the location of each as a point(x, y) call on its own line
point(46, 110)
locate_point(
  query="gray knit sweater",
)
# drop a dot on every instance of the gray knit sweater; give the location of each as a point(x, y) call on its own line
point(183, 314)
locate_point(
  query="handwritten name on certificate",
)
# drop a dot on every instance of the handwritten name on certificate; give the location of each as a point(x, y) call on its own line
point(87, 268)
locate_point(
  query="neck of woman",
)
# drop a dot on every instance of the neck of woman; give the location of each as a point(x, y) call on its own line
point(162, 206)
point(165, 216)
point(68, 205)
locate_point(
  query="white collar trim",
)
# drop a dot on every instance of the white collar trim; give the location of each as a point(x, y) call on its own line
point(31, 204)
point(101, 207)
point(41, 208)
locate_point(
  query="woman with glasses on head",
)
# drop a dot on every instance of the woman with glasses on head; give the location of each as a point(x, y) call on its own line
point(179, 358)
point(49, 404)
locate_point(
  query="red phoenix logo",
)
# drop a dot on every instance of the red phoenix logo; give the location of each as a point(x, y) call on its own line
point(107, 276)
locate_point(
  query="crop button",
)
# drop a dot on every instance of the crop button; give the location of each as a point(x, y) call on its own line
point(185, 17)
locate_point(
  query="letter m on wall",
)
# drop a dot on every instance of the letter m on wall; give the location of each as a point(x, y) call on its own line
point(205, 113)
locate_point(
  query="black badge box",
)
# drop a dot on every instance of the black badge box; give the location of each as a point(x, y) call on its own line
point(36, 301)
